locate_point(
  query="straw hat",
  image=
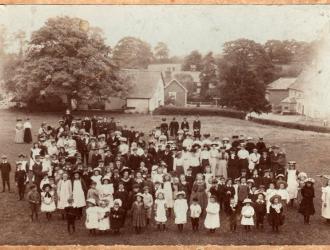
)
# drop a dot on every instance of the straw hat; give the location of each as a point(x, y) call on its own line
point(247, 200)
point(180, 193)
point(310, 180)
point(282, 182)
point(274, 197)
point(139, 194)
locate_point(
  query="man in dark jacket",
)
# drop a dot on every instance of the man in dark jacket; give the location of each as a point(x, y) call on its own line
point(164, 127)
point(167, 157)
point(5, 169)
point(185, 125)
point(87, 124)
point(134, 160)
point(197, 128)
point(174, 127)
point(20, 178)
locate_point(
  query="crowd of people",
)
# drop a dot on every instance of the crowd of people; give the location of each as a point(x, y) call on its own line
point(113, 176)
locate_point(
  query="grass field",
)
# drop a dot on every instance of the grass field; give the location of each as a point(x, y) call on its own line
point(310, 150)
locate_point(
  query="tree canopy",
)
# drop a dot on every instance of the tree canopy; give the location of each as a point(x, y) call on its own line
point(161, 52)
point(245, 69)
point(132, 53)
point(65, 56)
point(194, 59)
point(208, 75)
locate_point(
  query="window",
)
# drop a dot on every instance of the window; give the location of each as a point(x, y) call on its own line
point(172, 95)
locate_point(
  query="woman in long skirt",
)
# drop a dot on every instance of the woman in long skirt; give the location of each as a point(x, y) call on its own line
point(19, 135)
point(223, 163)
point(27, 131)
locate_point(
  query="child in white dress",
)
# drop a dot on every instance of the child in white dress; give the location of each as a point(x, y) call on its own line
point(168, 193)
point(160, 211)
point(92, 216)
point(180, 210)
point(106, 191)
point(247, 215)
point(292, 180)
point(48, 201)
point(104, 211)
point(212, 220)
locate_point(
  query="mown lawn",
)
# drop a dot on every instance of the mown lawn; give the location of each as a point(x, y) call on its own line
point(310, 150)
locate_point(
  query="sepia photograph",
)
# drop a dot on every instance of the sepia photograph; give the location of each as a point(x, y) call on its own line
point(147, 125)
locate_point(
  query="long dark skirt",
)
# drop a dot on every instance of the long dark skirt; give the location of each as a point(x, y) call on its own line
point(27, 135)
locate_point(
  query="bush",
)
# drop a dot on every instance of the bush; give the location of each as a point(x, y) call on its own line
point(51, 103)
point(199, 111)
point(292, 125)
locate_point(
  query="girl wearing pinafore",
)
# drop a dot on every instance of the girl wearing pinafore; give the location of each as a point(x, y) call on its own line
point(160, 210)
point(78, 194)
point(168, 193)
point(64, 192)
point(292, 180)
point(92, 216)
point(199, 192)
point(247, 215)
point(212, 219)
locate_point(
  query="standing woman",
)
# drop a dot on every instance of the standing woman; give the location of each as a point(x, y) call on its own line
point(27, 131)
point(223, 163)
point(306, 207)
point(326, 202)
point(19, 136)
point(214, 157)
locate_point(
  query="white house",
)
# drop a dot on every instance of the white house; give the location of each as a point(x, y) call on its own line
point(146, 92)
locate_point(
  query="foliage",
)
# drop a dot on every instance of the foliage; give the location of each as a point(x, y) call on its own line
point(293, 125)
point(208, 75)
point(132, 53)
point(288, 51)
point(161, 52)
point(63, 56)
point(245, 69)
point(193, 59)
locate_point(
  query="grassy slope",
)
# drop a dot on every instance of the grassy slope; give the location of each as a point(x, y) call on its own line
point(310, 150)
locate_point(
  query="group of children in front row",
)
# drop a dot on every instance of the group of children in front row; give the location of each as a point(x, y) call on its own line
point(251, 209)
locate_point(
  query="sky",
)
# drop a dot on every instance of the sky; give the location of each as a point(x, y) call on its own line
point(182, 27)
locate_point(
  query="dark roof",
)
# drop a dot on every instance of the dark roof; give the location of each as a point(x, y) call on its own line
point(143, 82)
point(281, 83)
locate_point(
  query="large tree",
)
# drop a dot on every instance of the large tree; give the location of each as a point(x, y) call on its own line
point(65, 56)
point(208, 75)
point(161, 52)
point(193, 60)
point(132, 53)
point(245, 69)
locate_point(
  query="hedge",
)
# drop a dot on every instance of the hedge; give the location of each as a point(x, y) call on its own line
point(199, 111)
point(304, 127)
